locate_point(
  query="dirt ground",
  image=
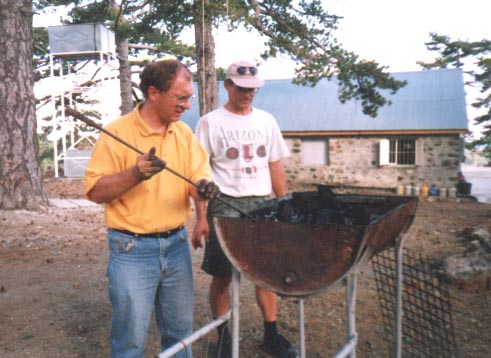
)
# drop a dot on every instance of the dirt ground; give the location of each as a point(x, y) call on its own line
point(53, 294)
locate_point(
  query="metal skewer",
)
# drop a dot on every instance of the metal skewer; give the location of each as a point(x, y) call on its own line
point(80, 116)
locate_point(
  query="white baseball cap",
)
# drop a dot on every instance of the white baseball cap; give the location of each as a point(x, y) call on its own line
point(244, 74)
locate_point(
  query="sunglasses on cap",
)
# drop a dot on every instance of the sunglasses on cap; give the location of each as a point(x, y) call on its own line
point(242, 70)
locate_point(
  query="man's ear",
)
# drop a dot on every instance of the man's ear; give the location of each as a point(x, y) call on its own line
point(153, 92)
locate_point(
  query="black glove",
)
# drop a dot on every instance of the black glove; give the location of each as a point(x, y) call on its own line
point(157, 163)
point(156, 166)
point(208, 190)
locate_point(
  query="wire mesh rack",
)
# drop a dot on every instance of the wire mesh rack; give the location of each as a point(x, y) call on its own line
point(427, 325)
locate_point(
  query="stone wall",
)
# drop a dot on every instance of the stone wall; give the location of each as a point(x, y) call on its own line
point(355, 161)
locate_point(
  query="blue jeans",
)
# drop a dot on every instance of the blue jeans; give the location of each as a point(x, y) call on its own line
point(143, 273)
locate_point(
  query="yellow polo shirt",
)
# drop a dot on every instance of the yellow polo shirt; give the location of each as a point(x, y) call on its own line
point(163, 201)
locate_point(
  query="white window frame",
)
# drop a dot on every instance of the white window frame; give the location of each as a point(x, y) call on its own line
point(384, 152)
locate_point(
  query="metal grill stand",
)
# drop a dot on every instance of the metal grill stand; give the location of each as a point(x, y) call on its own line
point(350, 282)
point(316, 258)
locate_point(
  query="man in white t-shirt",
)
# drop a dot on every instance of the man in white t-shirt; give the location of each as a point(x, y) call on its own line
point(245, 147)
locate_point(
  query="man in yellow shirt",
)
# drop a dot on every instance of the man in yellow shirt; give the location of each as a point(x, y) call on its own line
point(146, 208)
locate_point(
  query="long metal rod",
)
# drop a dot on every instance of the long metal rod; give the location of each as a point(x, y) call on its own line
point(171, 351)
point(348, 348)
point(235, 312)
point(351, 281)
point(76, 114)
point(301, 326)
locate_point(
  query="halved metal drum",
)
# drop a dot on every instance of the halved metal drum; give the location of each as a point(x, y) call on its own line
point(301, 259)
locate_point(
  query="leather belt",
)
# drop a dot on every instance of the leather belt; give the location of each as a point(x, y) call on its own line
point(155, 235)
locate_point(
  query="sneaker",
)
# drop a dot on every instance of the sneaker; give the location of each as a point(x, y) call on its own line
point(224, 347)
point(279, 347)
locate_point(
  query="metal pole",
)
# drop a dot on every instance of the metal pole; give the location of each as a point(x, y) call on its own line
point(350, 309)
point(169, 352)
point(301, 327)
point(347, 348)
point(399, 297)
point(235, 312)
point(74, 113)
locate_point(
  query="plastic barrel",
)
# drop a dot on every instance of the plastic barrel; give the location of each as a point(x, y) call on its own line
point(424, 190)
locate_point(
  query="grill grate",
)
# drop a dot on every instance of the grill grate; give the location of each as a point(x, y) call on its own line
point(427, 326)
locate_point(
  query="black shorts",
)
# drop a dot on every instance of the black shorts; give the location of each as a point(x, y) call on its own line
point(215, 262)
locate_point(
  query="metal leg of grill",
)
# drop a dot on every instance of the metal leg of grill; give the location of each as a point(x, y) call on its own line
point(349, 349)
point(301, 327)
point(351, 281)
point(171, 351)
point(235, 312)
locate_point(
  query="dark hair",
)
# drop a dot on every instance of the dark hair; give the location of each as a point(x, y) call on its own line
point(161, 75)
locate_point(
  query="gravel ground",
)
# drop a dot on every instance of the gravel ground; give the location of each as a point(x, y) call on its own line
point(53, 289)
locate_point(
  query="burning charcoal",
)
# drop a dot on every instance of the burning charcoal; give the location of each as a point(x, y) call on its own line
point(265, 213)
point(286, 211)
point(326, 194)
point(324, 216)
point(355, 215)
point(314, 207)
point(328, 198)
point(306, 201)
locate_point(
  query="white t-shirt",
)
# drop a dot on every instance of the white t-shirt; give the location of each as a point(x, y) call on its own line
point(240, 150)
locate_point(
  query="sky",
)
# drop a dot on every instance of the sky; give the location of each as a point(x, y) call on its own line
point(391, 32)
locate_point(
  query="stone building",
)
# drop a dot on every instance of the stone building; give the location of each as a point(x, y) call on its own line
point(418, 140)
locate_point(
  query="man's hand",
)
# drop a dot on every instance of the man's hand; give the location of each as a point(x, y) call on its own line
point(208, 190)
point(148, 165)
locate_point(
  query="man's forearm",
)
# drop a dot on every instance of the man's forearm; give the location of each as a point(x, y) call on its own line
point(200, 207)
point(111, 187)
point(278, 178)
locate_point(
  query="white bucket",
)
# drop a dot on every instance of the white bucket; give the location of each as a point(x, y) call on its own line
point(416, 190)
point(452, 192)
point(443, 192)
point(408, 189)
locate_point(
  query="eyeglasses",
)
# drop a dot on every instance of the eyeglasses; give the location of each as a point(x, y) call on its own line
point(242, 70)
point(180, 100)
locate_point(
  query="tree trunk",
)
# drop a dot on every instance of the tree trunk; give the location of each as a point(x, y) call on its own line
point(20, 171)
point(126, 88)
point(205, 58)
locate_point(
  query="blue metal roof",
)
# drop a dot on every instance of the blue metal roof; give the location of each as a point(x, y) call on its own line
point(432, 100)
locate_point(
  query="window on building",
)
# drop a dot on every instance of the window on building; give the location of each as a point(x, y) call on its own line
point(405, 151)
point(315, 151)
point(402, 151)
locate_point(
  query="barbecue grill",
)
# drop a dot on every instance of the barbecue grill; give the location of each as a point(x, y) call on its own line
point(324, 243)
point(301, 259)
